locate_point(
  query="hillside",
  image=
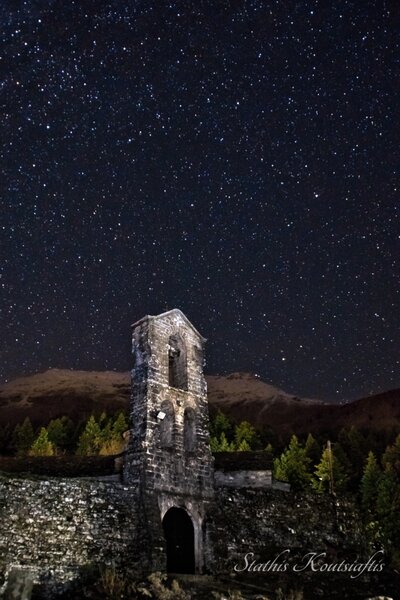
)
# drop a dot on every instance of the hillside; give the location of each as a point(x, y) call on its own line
point(244, 396)
point(57, 392)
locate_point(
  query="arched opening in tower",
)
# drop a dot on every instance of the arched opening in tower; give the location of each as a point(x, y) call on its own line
point(177, 363)
point(167, 424)
point(189, 430)
point(179, 537)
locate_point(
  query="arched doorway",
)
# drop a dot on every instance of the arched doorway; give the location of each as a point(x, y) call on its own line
point(179, 537)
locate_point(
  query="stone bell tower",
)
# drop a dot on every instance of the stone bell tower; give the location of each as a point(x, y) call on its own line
point(168, 460)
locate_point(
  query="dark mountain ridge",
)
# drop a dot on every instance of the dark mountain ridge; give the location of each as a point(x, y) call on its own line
point(243, 396)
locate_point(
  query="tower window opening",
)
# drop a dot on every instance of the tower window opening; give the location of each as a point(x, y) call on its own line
point(189, 430)
point(166, 424)
point(177, 371)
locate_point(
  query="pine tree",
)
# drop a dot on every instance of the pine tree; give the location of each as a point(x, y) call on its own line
point(245, 432)
point(23, 437)
point(221, 423)
point(354, 445)
point(313, 449)
point(214, 444)
point(391, 457)
point(90, 439)
point(42, 446)
point(243, 446)
point(342, 458)
point(112, 447)
point(386, 493)
point(60, 432)
point(221, 444)
point(388, 508)
point(293, 466)
point(112, 441)
point(224, 445)
point(102, 419)
point(105, 426)
point(119, 427)
point(370, 483)
point(269, 449)
point(330, 473)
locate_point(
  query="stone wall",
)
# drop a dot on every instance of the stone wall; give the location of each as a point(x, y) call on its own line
point(242, 478)
point(269, 521)
point(63, 529)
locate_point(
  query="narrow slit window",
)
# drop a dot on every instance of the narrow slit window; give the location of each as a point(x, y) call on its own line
point(189, 430)
point(167, 423)
point(177, 363)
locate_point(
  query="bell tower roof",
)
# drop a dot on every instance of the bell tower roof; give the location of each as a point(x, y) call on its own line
point(173, 312)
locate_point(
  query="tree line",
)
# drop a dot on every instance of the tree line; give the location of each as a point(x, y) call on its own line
point(366, 465)
point(96, 436)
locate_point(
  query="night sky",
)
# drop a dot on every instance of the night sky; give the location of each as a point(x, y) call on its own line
point(236, 160)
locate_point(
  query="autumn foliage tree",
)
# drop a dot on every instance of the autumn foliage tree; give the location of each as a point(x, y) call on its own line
point(112, 436)
point(42, 446)
point(90, 439)
point(330, 475)
point(103, 436)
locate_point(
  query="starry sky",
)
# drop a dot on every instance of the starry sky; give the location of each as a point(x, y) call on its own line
point(238, 160)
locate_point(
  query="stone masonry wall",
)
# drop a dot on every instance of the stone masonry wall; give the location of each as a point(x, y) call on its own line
point(268, 521)
point(243, 478)
point(158, 462)
point(61, 529)
point(171, 470)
